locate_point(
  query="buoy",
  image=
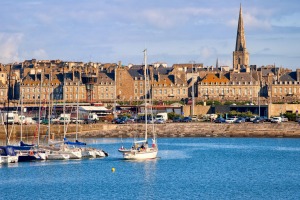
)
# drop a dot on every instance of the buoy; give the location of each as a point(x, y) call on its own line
point(113, 169)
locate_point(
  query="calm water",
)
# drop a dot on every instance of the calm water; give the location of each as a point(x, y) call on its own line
point(188, 168)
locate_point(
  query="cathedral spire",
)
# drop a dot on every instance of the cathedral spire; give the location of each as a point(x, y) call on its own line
point(240, 55)
point(240, 36)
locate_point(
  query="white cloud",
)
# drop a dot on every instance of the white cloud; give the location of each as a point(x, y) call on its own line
point(207, 52)
point(252, 21)
point(168, 18)
point(291, 20)
point(40, 54)
point(9, 47)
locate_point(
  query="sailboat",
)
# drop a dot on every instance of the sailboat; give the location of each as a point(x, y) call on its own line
point(7, 153)
point(74, 153)
point(141, 149)
point(26, 152)
point(86, 152)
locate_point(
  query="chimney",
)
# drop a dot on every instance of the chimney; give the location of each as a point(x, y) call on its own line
point(298, 74)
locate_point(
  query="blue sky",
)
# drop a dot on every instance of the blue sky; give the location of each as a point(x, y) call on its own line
point(173, 31)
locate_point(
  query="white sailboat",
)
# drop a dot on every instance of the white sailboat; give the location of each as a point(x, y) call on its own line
point(7, 153)
point(63, 151)
point(141, 149)
point(74, 153)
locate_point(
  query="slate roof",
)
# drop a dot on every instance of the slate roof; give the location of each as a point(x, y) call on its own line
point(242, 77)
point(289, 76)
point(105, 77)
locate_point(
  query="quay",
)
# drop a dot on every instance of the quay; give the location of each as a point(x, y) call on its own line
point(194, 129)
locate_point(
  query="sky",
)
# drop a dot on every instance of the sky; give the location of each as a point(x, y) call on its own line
point(172, 31)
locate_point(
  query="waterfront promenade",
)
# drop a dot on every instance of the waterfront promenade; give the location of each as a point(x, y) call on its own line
point(200, 129)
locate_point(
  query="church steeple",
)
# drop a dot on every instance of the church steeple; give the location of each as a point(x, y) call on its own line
point(240, 55)
point(240, 36)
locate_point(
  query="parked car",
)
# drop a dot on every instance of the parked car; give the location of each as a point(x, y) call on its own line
point(29, 120)
point(122, 120)
point(89, 121)
point(284, 119)
point(276, 120)
point(36, 119)
point(131, 120)
point(151, 120)
point(240, 120)
point(75, 120)
point(160, 121)
point(195, 118)
point(220, 120)
point(266, 119)
point(186, 119)
point(177, 119)
point(45, 121)
point(230, 120)
point(115, 120)
point(258, 120)
point(252, 118)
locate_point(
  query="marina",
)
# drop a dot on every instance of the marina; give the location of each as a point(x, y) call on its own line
point(193, 168)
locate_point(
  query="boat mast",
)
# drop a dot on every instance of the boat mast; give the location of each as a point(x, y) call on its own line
point(64, 106)
point(49, 109)
point(115, 95)
point(39, 119)
point(77, 112)
point(145, 74)
point(6, 138)
point(21, 137)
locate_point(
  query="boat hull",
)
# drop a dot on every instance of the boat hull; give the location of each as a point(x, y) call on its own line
point(57, 156)
point(139, 155)
point(9, 159)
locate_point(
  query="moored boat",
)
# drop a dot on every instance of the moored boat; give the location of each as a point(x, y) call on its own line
point(8, 155)
point(140, 149)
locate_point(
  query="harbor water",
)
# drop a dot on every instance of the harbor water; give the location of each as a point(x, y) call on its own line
point(187, 168)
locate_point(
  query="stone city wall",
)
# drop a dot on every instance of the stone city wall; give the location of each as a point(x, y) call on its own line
point(201, 129)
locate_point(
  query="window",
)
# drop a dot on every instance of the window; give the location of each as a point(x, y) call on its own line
point(183, 91)
point(141, 91)
point(165, 91)
point(160, 91)
point(154, 91)
point(178, 91)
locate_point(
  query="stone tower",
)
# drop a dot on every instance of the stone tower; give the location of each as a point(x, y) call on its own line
point(240, 55)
